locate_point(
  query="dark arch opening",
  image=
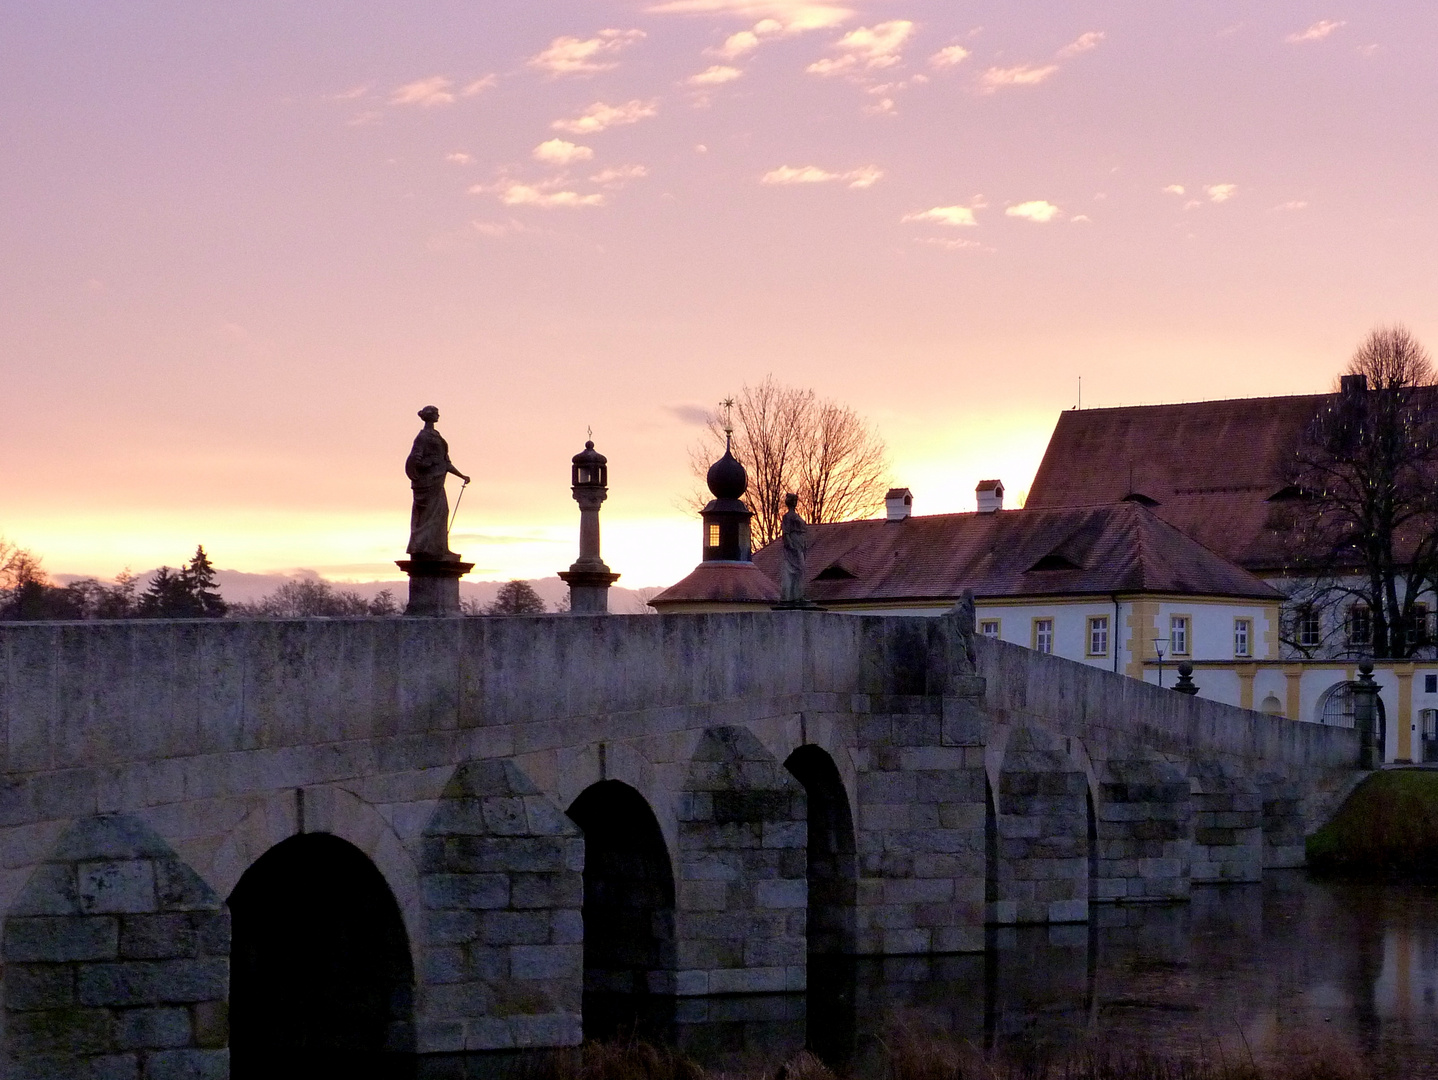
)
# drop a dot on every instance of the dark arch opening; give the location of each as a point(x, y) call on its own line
point(628, 908)
point(320, 968)
point(832, 862)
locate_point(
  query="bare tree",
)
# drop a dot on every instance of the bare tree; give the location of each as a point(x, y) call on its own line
point(310, 597)
point(1364, 506)
point(790, 439)
point(516, 598)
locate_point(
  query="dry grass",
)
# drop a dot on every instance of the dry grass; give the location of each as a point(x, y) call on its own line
point(909, 1055)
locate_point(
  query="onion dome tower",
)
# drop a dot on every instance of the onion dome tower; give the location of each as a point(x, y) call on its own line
point(589, 578)
point(726, 518)
point(726, 578)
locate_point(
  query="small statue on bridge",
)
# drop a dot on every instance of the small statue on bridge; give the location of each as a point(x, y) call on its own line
point(967, 612)
point(427, 467)
point(795, 539)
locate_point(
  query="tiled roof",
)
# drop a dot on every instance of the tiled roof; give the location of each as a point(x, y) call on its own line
point(1207, 467)
point(721, 583)
point(1120, 548)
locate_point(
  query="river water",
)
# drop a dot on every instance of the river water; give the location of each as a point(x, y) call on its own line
point(1241, 971)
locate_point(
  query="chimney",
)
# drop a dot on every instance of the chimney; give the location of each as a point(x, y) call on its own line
point(990, 494)
point(899, 502)
point(1353, 384)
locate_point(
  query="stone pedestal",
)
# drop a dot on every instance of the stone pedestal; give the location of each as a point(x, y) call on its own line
point(588, 589)
point(433, 585)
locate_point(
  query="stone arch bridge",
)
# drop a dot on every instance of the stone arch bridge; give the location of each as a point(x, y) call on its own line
point(482, 818)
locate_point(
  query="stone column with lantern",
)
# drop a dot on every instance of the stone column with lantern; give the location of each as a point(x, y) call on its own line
point(588, 578)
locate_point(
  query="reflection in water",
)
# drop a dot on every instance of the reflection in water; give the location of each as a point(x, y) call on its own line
point(1241, 970)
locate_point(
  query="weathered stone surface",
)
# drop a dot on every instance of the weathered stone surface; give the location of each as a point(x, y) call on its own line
point(502, 898)
point(736, 827)
point(189, 734)
point(107, 982)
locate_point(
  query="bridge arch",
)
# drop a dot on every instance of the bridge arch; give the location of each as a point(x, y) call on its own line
point(628, 908)
point(320, 966)
point(278, 815)
point(831, 855)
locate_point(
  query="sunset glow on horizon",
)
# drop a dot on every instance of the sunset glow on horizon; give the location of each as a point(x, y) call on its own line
point(241, 246)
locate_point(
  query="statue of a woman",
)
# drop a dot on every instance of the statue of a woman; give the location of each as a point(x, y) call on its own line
point(795, 532)
point(427, 466)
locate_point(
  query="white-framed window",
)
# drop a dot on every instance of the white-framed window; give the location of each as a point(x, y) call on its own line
point(1178, 635)
point(1098, 635)
point(1360, 625)
point(1310, 628)
point(1044, 635)
point(1242, 637)
point(989, 627)
point(1418, 628)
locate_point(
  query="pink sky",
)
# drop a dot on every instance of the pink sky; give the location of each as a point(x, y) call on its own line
point(242, 244)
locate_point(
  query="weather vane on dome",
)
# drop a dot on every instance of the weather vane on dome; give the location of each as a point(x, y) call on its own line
point(728, 406)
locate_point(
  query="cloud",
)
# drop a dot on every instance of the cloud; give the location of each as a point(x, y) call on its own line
point(600, 116)
point(867, 48)
point(793, 15)
point(944, 215)
point(1317, 32)
point(576, 56)
point(513, 193)
point(617, 176)
point(746, 41)
point(560, 152)
point(459, 158)
point(948, 56)
point(1081, 44)
point(1173, 189)
point(714, 75)
point(1035, 210)
point(685, 412)
point(948, 242)
point(498, 228)
point(480, 85)
point(352, 93)
point(1297, 204)
point(1078, 219)
point(864, 177)
point(1221, 192)
point(425, 92)
point(1021, 75)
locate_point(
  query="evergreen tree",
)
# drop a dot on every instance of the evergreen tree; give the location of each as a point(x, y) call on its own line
point(168, 597)
point(199, 580)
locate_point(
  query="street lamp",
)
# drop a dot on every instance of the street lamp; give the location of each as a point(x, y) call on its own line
point(1158, 644)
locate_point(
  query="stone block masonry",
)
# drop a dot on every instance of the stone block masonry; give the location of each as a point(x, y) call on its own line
point(116, 961)
point(742, 890)
point(146, 766)
point(501, 879)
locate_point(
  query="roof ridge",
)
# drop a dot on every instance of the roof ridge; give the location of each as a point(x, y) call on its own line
point(1206, 401)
